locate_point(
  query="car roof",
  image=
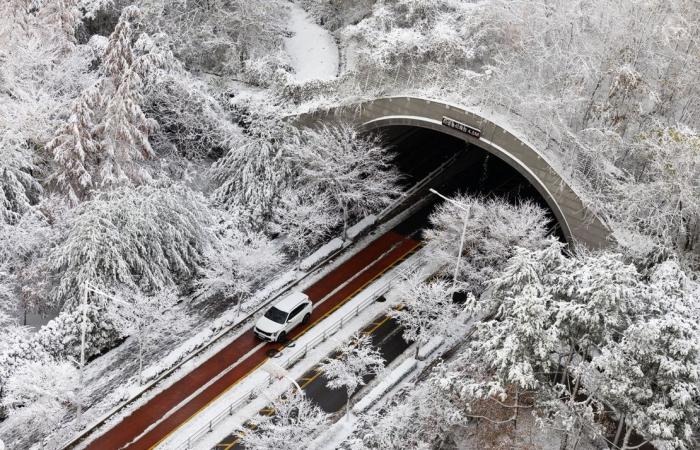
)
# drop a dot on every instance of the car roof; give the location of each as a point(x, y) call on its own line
point(289, 302)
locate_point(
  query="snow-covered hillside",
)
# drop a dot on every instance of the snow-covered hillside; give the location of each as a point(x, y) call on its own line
point(153, 184)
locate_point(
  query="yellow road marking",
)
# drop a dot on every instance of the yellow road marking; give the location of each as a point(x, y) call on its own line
point(303, 331)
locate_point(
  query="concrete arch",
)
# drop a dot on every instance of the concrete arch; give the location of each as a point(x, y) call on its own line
point(578, 223)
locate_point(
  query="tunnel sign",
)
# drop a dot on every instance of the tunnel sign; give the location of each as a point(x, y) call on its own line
point(464, 128)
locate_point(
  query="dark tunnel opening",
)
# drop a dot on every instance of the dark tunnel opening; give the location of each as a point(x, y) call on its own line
point(472, 170)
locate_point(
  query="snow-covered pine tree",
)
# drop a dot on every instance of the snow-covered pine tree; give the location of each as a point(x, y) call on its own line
point(651, 379)
point(19, 189)
point(124, 129)
point(75, 148)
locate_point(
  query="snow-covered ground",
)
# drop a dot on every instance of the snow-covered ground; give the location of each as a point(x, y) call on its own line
point(311, 48)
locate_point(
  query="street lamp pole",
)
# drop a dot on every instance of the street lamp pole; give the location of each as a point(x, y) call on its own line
point(468, 210)
point(281, 371)
point(83, 331)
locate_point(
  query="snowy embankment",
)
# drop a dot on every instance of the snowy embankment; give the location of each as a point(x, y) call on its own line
point(311, 48)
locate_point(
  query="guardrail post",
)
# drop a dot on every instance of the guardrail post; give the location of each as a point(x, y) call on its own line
point(357, 311)
point(230, 410)
point(210, 426)
point(306, 348)
point(341, 322)
point(323, 336)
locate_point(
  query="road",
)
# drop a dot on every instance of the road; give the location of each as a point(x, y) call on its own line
point(247, 353)
point(386, 337)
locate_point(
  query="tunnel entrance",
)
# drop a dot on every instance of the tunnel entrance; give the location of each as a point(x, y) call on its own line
point(470, 169)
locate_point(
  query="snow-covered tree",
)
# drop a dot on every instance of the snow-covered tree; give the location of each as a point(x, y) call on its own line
point(16, 348)
point(75, 148)
point(355, 359)
point(421, 416)
point(494, 228)
point(236, 261)
point(144, 238)
point(147, 318)
point(106, 137)
point(124, 129)
point(38, 395)
point(295, 419)
point(355, 172)
point(61, 336)
point(426, 309)
point(651, 379)
point(304, 219)
point(253, 173)
point(223, 37)
point(19, 189)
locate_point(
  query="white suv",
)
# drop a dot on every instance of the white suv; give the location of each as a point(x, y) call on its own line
point(283, 316)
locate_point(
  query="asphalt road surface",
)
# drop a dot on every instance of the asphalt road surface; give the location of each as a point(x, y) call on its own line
point(247, 353)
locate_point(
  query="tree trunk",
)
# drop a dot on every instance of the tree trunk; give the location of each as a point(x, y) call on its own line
point(619, 430)
point(626, 441)
point(564, 442)
point(517, 408)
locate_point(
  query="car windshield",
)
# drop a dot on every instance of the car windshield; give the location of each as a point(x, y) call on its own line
point(276, 315)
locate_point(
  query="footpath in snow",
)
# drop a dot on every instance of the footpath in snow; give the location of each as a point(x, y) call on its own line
point(312, 49)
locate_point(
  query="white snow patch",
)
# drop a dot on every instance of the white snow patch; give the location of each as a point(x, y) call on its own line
point(430, 347)
point(391, 380)
point(335, 434)
point(361, 226)
point(311, 49)
point(324, 252)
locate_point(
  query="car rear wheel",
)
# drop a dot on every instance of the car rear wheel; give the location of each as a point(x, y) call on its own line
point(306, 319)
point(282, 337)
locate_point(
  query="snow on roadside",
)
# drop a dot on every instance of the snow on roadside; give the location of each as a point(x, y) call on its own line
point(384, 386)
point(312, 49)
point(322, 253)
point(361, 226)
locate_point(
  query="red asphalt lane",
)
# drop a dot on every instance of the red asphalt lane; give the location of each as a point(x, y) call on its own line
point(129, 428)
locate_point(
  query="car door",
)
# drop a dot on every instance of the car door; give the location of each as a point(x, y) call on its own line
point(295, 316)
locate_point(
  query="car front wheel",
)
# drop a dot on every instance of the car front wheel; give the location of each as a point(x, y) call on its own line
point(306, 319)
point(282, 337)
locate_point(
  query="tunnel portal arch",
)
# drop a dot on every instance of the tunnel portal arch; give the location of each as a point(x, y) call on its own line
point(578, 223)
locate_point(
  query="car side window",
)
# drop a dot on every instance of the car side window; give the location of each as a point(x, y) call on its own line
point(296, 311)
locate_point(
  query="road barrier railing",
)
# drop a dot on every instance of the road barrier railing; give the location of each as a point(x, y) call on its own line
point(237, 326)
point(300, 353)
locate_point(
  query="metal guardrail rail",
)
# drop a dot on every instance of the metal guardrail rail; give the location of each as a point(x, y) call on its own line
point(413, 190)
point(293, 358)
